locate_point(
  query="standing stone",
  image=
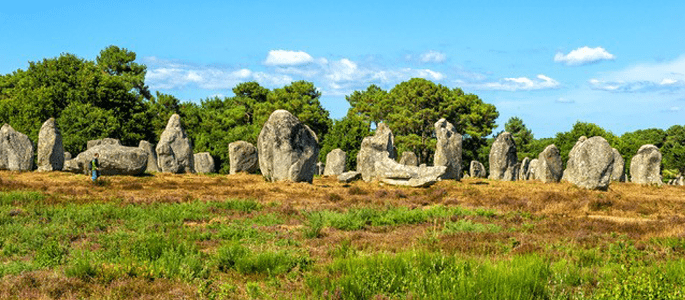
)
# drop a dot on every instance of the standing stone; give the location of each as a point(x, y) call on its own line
point(320, 168)
point(375, 148)
point(152, 165)
point(532, 169)
point(645, 167)
point(477, 169)
point(335, 162)
point(523, 171)
point(50, 156)
point(242, 157)
point(67, 156)
point(409, 159)
point(114, 160)
point(503, 158)
point(448, 149)
point(511, 174)
point(549, 165)
point(618, 174)
point(203, 162)
point(174, 150)
point(590, 164)
point(288, 149)
point(105, 141)
point(680, 181)
point(16, 150)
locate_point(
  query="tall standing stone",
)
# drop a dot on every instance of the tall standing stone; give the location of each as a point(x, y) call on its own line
point(288, 149)
point(645, 167)
point(549, 165)
point(335, 162)
point(503, 158)
point(523, 171)
point(619, 172)
point(242, 157)
point(375, 148)
point(152, 165)
point(174, 150)
point(477, 169)
point(50, 156)
point(532, 169)
point(203, 162)
point(409, 159)
point(590, 164)
point(16, 150)
point(448, 149)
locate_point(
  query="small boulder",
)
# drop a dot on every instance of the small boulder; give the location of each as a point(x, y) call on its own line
point(203, 162)
point(549, 165)
point(350, 176)
point(391, 172)
point(409, 159)
point(645, 167)
point(503, 158)
point(152, 165)
point(619, 172)
point(50, 154)
point(590, 164)
point(448, 149)
point(16, 150)
point(375, 148)
point(242, 157)
point(335, 162)
point(288, 149)
point(175, 150)
point(477, 169)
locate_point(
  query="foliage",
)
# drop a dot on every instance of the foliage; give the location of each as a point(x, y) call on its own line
point(522, 136)
point(566, 140)
point(673, 149)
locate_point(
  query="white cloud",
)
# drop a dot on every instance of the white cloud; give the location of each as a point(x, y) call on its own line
point(583, 56)
point(518, 84)
point(565, 100)
point(433, 57)
point(287, 58)
point(652, 77)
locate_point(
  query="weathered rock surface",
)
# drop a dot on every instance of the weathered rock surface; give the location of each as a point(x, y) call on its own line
point(288, 149)
point(67, 156)
point(619, 172)
point(391, 172)
point(477, 169)
point(448, 149)
point(549, 165)
point(16, 150)
point(645, 167)
point(152, 165)
point(242, 157)
point(320, 168)
point(335, 162)
point(105, 141)
point(409, 159)
point(532, 169)
point(350, 176)
point(511, 174)
point(50, 154)
point(174, 150)
point(203, 162)
point(375, 148)
point(523, 171)
point(503, 158)
point(114, 160)
point(590, 164)
point(680, 181)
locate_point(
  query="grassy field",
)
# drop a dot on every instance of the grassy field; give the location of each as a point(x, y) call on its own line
point(238, 237)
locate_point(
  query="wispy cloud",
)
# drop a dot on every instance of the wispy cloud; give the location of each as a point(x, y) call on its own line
point(584, 55)
point(653, 77)
point(565, 100)
point(287, 58)
point(541, 82)
point(433, 57)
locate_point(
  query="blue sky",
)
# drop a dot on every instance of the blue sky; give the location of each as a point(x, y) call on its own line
point(620, 65)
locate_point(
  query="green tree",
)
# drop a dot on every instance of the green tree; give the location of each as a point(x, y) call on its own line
point(630, 142)
point(522, 136)
point(673, 150)
point(566, 140)
point(346, 134)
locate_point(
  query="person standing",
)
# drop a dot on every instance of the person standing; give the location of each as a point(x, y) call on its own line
point(95, 167)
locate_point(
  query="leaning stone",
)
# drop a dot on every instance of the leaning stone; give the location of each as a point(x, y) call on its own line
point(350, 176)
point(477, 169)
point(375, 148)
point(242, 157)
point(590, 164)
point(645, 167)
point(50, 154)
point(448, 149)
point(105, 141)
point(549, 165)
point(391, 172)
point(114, 160)
point(335, 162)
point(16, 150)
point(618, 174)
point(409, 159)
point(523, 171)
point(175, 150)
point(152, 165)
point(288, 149)
point(203, 162)
point(503, 158)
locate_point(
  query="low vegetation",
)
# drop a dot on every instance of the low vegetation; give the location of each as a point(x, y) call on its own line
point(239, 237)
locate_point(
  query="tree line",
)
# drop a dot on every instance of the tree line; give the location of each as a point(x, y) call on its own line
point(108, 97)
